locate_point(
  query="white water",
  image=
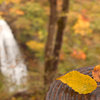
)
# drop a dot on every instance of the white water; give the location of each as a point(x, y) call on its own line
point(11, 62)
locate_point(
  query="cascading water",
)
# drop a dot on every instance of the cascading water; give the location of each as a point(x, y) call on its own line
point(11, 62)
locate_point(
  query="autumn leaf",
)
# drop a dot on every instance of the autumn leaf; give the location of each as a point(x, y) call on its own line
point(81, 83)
point(11, 1)
point(19, 12)
point(1, 13)
point(82, 26)
point(12, 10)
point(62, 56)
point(34, 45)
point(79, 54)
point(96, 73)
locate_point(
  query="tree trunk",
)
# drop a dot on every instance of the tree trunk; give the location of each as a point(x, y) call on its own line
point(59, 38)
point(53, 50)
point(50, 39)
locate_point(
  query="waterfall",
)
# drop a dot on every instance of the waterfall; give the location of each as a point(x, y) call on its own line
point(11, 62)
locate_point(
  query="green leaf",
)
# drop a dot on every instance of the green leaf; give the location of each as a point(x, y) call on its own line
point(81, 83)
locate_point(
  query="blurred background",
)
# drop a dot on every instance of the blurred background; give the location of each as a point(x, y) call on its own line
point(29, 20)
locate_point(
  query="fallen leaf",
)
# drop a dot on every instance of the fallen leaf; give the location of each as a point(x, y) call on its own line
point(81, 83)
point(96, 73)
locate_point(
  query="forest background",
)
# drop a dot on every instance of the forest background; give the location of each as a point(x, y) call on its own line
point(29, 20)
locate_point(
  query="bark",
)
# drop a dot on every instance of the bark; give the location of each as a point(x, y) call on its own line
point(50, 38)
point(52, 54)
point(59, 38)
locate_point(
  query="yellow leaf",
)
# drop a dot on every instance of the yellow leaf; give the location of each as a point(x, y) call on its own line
point(96, 73)
point(81, 83)
point(34, 45)
point(82, 26)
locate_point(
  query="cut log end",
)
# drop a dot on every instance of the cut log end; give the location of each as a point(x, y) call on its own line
point(61, 91)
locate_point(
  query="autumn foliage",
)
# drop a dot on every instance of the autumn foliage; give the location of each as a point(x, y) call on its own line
point(82, 26)
point(29, 19)
point(78, 54)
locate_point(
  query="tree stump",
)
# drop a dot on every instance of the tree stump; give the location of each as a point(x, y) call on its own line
point(61, 91)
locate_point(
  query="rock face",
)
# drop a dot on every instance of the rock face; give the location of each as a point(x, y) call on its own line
point(11, 62)
point(61, 91)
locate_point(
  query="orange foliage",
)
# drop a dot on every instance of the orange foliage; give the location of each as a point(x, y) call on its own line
point(17, 11)
point(12, 1)
point(12, 10)
point(78, 54)
point(62, 56)
point(1, 13)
